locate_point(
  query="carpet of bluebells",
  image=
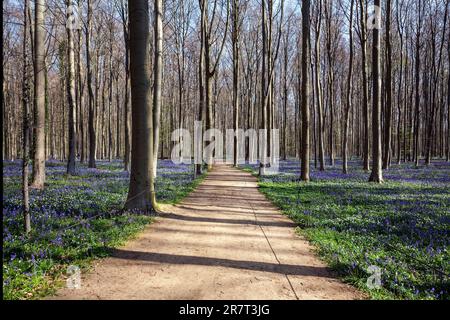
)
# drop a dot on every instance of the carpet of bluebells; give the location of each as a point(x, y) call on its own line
point(74, 219)
point(401, 227)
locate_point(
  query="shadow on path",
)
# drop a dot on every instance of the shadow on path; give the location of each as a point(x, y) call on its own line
point(227, 263)
point(232, 221)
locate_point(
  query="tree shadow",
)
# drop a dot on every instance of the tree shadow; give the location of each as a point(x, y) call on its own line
point(285, 269)
point(227, 210)
point(227, 197)
point(229, 221)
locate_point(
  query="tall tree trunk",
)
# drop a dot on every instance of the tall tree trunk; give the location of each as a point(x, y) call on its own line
point(318, 87)
point(417, 86)
point(103, 146)
point(314, 121)
point(298, 88)
point(388, 113)
point(331, 107)
point(448, 102)
point(305, 90)
point(126, 98)
point(285, 93)
point(349, 93)
point(377, 171)
point(71, 94)
point(92, 104)
point(269, 86)
point(201, 82)
point(399, 93)
point(363, 26)
point(110, 96)
point(63, 93)
point(81, 96)
point(236, 82)
point(141, 194)
point(330, 76)
point(26, 123)
point(263, 122)
point(209, 123)
point(157, 84)
point(39, 97)
point(118, 109)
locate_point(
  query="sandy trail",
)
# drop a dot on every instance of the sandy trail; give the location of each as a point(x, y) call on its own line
point(224, 241)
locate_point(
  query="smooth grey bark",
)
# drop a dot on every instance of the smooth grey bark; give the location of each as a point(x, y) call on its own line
point(236, 81)
point(26, 124)
point(141, 194)
point(304, 174)
point(318, 87)
point(448, 102)
point(118, 111)
point(263, 121)
point(365, 97)
point(388, 88)
point(80, 75)
point(39, 97)
point(92, 103)
point(157, 83)
point(348, 95)
point(377, 171)
point(285, 92)
point(400, 100)
point(71, 95)
point(417, 86)
point(331, 53)
point(110, 94)
point(201, 85)
point(126, 99)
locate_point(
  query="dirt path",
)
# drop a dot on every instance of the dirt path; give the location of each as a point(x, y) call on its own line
point(224, 241)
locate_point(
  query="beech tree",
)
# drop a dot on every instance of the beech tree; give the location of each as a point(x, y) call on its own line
point(39, 97)
point(317, 83)
point(210, 36)
point(91, 121)
point(377, 170)
point(71, 90)
point(365, 98)
point(157, 81)
point(236, 81)
point(348, 96)
point(388, 88)
point(305, 90)
point(141, 194)
point(26, 120)
point(126, 119)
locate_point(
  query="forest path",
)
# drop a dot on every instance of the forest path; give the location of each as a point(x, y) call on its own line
point(224, 241)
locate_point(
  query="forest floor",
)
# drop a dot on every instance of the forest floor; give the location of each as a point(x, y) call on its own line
point(75, 220)
point(224, 241)
point(216, 237)
point(400, 227)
